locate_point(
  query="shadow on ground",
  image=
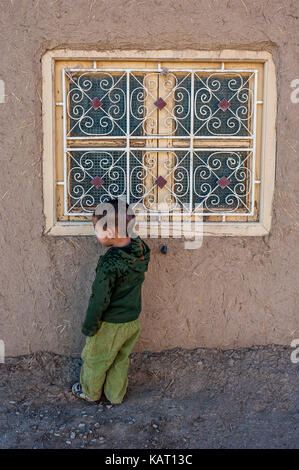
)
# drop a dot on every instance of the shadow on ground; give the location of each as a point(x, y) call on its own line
point(201, 398)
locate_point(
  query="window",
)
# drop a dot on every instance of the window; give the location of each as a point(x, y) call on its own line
point(188, 133)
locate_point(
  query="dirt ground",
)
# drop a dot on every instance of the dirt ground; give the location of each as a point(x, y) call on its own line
point(201, 398)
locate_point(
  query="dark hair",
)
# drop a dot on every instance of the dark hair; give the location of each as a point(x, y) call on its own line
point(116, 203)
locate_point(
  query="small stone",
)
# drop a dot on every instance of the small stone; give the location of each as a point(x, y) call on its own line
point(109, 406)
point(72, 435)
point(154, 425)
point(97, 425)
point(68, 442)
point(17, 413)
point(81, 425)
point(101, 438)
point(12, 402)
point(56, 434)
point(93, 440)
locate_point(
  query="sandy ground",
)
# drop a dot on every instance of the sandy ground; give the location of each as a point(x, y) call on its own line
point(201, 398)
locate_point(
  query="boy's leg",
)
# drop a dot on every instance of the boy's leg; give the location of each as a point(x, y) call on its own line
point(117, 376)
point(98, 354)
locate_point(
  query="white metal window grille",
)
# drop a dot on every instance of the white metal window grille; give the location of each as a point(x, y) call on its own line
point(141, 134)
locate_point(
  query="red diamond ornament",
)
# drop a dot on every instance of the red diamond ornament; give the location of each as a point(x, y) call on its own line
point(224, 104)
point(161, 181)
point(160, 103)
point(96, 103)
point(223, 182)
point(97, 182)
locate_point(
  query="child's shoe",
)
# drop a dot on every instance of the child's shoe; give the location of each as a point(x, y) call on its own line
point(103, 400)
point(77, 391)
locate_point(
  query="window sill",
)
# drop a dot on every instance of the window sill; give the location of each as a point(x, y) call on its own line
point(230, 229)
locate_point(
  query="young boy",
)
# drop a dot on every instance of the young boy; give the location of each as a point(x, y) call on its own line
point(111, 323)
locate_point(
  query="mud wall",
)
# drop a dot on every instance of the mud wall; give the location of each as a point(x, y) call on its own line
point(233, 292)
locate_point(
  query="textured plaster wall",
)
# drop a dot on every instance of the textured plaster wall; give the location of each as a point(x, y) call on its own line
point(233, 292)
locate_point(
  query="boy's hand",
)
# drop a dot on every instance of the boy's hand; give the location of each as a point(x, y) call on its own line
point(87, 332)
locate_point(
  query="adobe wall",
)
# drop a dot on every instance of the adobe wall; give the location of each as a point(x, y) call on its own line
point(232, 293)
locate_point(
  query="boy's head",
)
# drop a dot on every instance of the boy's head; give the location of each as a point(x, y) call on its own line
point(113, 221)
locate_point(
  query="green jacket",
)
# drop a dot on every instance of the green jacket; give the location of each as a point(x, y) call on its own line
point(116, 290)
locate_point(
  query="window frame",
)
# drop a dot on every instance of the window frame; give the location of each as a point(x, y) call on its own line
point(268, 136)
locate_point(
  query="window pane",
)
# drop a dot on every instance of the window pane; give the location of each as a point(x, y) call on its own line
point(97, 105)
point(222, 105)
point(222, 180)
point(94, 176)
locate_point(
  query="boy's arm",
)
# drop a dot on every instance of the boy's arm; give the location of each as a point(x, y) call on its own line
point(99, 300)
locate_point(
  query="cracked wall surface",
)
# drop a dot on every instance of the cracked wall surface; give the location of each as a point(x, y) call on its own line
point(234, 292)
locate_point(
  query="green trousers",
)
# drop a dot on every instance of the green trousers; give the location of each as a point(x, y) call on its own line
point(106, 360)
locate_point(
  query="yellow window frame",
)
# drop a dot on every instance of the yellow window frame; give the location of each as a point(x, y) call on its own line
point(56, 223)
